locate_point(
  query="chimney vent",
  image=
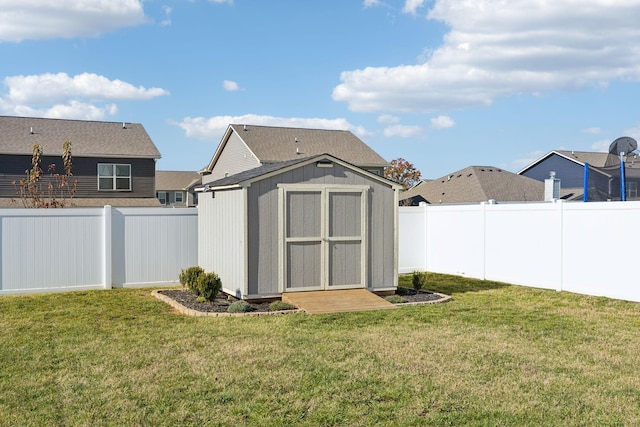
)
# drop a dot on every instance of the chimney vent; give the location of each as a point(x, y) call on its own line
point(551, 188)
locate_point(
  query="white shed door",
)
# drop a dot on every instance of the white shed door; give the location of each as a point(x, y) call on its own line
point(324, 237)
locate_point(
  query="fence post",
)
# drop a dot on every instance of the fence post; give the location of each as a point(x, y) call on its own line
point(560, 204)
point(426, 237)
point(107, 268)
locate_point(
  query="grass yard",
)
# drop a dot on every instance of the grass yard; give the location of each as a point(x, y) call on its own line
point(495, 355)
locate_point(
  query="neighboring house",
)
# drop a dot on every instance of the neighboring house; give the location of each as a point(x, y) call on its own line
point(604, 174)
point(245, 147)
point(475, 184)
point(305, 224)
point(177, 188)
point(113, 163)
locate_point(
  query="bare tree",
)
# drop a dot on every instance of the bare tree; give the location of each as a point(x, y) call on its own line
point(55, 190)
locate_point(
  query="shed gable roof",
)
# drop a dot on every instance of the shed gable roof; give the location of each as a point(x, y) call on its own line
point(478, 184)
point(278, 144)
point(261, 172)
point(18, 135)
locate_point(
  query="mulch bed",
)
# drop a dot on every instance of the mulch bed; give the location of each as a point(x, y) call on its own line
point(223, 301)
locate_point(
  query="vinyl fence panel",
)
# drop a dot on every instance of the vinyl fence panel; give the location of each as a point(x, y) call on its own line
point(45, 250)
point(586, 248)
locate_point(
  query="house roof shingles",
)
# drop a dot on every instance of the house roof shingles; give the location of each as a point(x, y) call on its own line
point(176, 180)
point(18, 135)
point(477, 184)
point(278, 144)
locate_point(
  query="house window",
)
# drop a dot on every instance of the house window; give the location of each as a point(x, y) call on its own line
point(162, 196)
point(632, 190)
point(179, 198)
point(374, 171)
point(114, 177)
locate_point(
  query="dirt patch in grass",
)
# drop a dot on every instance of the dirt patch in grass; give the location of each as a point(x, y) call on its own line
point(187, 303)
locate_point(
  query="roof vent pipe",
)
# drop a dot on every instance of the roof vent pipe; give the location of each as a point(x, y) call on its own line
point(244, 128)
point(551, 188)
point(124, 125)
point(31, 130)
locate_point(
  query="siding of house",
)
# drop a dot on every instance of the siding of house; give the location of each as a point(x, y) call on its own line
point(571, 174)
point(236, 157)
point(262, 208)
point(221, 242)
point(85, 171)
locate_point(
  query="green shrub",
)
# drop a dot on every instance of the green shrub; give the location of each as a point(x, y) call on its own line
point(280, 305)
point(419, 280)
point(189, 276)
point(395, 299)
point(240, 307)
point(208, 285)
point(201, 299)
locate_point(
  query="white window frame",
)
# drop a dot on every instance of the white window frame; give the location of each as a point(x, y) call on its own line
point(166, 197)
point(175, 197)
point(114, 177)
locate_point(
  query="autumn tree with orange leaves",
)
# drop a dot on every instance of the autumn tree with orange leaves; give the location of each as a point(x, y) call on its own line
point(402, 172)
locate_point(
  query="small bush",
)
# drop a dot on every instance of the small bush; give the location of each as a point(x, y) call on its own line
point(189, 276)
point(201, 299)
point(419, 280)
point(280, 305)
point(240, 307)
point(208, 285)
point(395, 299)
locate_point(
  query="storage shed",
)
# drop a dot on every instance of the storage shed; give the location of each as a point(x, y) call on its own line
point(316, 223)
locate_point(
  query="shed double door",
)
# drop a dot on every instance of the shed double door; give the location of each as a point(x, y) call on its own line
point(323, 238)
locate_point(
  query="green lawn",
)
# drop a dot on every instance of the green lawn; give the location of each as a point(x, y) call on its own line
point(495, 355)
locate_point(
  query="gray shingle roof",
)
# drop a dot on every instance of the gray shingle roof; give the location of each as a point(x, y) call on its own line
point(477, 184)
point(18, 135)
point(176, 180)
point(278, 144)
point(596, 159)
point(254, 173)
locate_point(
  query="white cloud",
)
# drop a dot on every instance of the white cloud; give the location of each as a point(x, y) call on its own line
point(221, 1)
point(402, 131)
point(371, 3)
point(412, 6)
point(442, 122)
point(214, 127)
point(601, 146)
point(593, 130)
point(82, 96)
point(167, 12)
point(518, 164)
point(230, 85)
point(35, 19)
point(633, 133)
point(499, 48)
point(50, 88)
point(388, 118)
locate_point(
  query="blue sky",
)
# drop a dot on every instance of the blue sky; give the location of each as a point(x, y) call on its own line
point(445, 84)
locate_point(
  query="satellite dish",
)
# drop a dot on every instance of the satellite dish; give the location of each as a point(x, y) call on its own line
point(624, 144)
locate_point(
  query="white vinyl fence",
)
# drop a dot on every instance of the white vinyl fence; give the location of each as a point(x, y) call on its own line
point(586, 248)
point(45, 250)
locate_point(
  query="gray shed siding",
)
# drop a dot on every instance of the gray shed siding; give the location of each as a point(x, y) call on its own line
point(221, 246)
point(236, 157)
point(263, 239)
